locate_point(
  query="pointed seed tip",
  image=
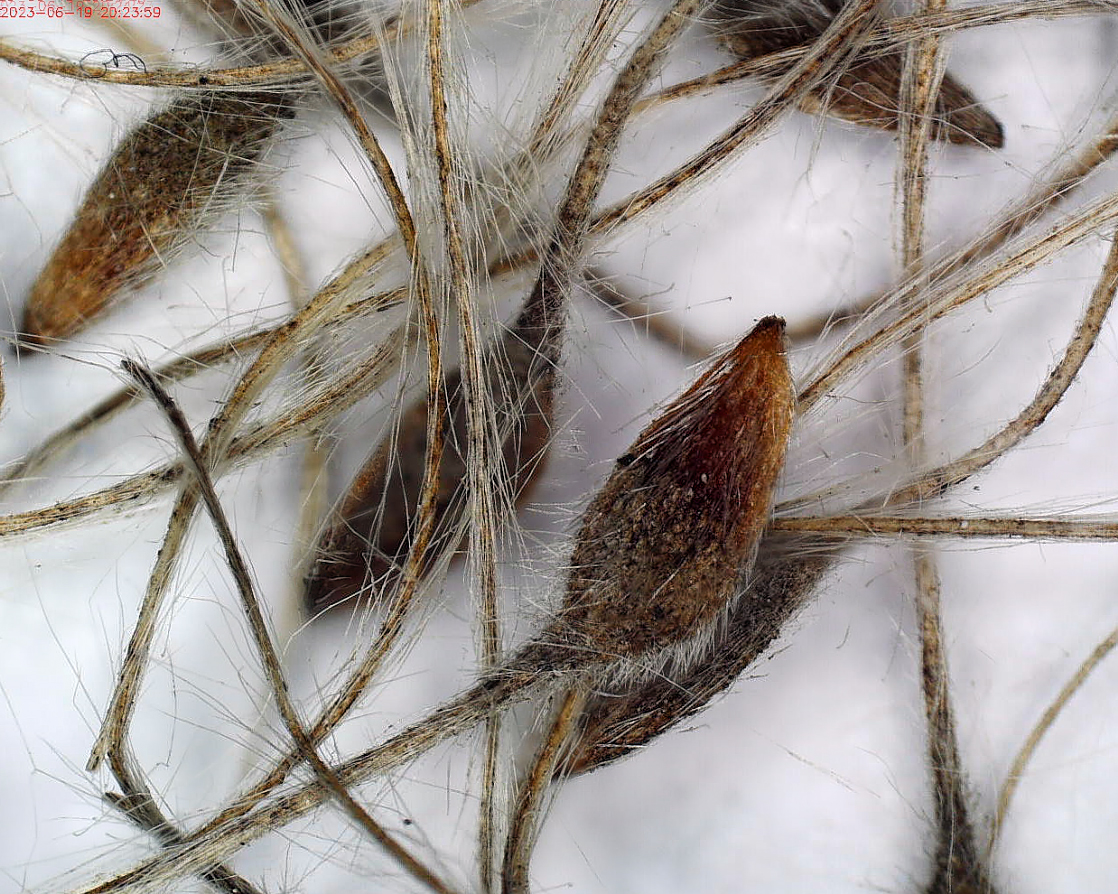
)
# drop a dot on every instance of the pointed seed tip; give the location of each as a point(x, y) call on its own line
point(994, 137)
point(768, 334)
point(976, 126)
point(771, 322)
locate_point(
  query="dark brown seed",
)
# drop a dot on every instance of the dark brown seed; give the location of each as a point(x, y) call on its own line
point(662, 547)
point(663, 544)
point(157, 189)
point(867, 91)
point(370, 536)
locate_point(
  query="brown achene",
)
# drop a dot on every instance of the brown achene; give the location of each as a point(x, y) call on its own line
point(163, 181)
point(867, 91)
point(663, 544)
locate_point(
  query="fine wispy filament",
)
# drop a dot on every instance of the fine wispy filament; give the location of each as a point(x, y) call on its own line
point(372, 532)
point(676, 580)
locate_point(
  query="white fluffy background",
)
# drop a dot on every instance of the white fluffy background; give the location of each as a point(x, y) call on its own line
point(810, 775)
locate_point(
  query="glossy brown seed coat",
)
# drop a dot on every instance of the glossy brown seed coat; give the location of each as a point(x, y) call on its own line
point(867, 91)
point(152, 194)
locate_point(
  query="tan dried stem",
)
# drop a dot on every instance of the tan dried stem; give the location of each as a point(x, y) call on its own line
point(945, 297)
point(527, 814)
point(886, 34)
point(277, 72)
point(995, 527)
point(480, 425)
point(923, 73)
point(1040, 730)
point(262, 637)
point(314, 477)
point(272, 358)
point(957, 862)
point(1045, 196)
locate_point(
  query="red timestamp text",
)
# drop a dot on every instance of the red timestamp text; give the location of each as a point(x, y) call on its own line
point(82, 9)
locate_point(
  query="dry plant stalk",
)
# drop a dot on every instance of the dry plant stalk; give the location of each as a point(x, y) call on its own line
point(676, 585)
point(958, 862)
